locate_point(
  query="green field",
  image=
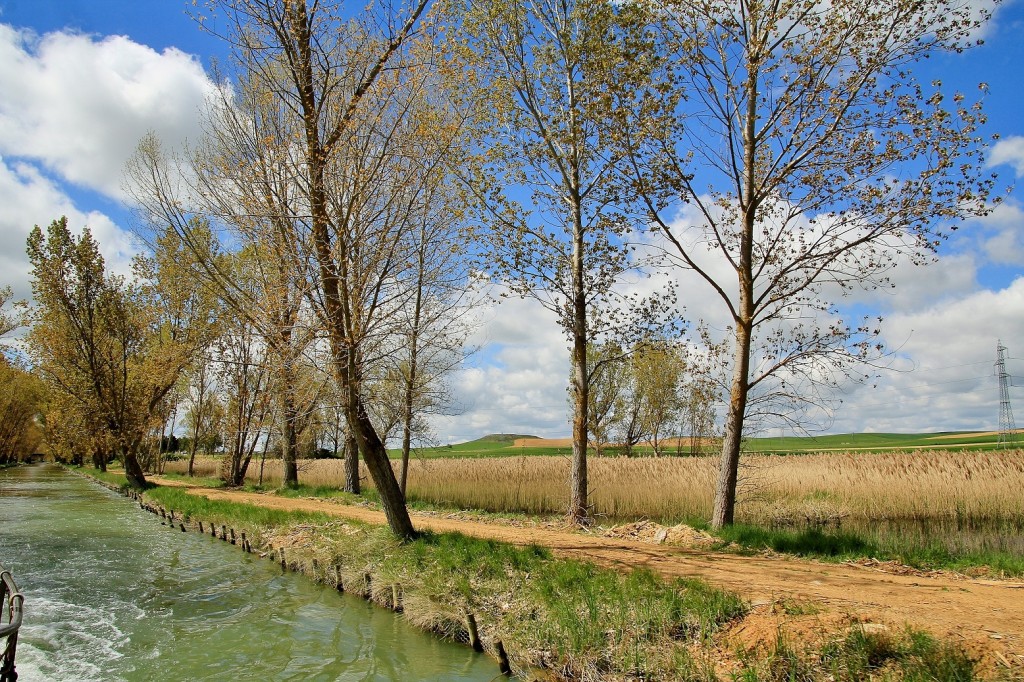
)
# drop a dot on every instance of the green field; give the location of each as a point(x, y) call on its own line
point(493, 445)
point(502, 444)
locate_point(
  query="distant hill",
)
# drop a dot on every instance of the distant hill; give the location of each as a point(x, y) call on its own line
point(502, 437)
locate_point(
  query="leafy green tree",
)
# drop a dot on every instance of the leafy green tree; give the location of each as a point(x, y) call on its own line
point(540, 80)
point(609, 379)
point(20, 404)
point(9, 319)
point(113, 349)
point(658, 370)
point(811, 160)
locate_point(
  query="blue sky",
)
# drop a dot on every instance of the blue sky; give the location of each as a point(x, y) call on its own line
point(82, 81)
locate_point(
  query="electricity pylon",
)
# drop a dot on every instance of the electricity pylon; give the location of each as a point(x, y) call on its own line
point(1007, 429)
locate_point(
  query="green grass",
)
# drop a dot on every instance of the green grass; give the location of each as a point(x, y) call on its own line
point(494, 445)
point(911, 656)
point(838, 545)
point(872, 441)
point(194, 507)
point(916, 655)
point(809, 542)
point(322, 492)
point(114, 478)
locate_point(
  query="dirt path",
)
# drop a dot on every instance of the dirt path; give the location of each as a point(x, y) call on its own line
point(986, 616)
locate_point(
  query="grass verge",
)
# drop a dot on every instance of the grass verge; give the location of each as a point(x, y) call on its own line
point(833, 545)
point(911, 656)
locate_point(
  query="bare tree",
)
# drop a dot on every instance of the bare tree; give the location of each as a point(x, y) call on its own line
point(244, 373)
point(201, 394)
point(812, 161)
point(317, 70)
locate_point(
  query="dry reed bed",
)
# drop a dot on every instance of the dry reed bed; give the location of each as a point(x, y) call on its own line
point(872, 486)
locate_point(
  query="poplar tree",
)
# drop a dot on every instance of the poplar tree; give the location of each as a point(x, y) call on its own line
point(540, 78)
point(811, 159)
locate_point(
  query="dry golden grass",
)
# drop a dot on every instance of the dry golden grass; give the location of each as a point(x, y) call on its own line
point(970, 486)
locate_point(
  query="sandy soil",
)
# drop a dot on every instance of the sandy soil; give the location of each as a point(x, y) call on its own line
point(985, 616)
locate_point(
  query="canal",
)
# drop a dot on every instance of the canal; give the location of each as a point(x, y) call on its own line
point(110, 594)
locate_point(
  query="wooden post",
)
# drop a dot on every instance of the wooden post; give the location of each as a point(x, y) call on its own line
point(396, 598)
point(183, 528)
point(232, 536)
point(201, 529)
point(284, 564)
point(223, 532)
point(503, 664)
point(245, 544)
point(337, 578)
point(474, 634)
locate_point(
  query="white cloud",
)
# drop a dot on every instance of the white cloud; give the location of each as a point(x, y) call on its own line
point(946, 354)
point(1001, 234)
point(1009, 151)
point(79, 105)
point(912, 287)
point(29, 198)
point(516, 384)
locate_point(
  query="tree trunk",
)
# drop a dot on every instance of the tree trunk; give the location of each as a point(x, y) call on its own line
point(133, 472)
point(410, 394)
point(351, 464)
point(379, 465)
point(99, 459)
point(289, 443)
point(725, 489)
point(579, 511)
point(289, 412)
point(337, 302)
point(406, 447)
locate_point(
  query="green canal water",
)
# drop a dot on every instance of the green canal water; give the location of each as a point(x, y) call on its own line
point(110, 594)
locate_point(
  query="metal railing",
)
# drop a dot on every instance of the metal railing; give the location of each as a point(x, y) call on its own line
point(11, 602)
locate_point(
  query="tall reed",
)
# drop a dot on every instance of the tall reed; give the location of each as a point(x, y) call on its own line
point(940, 485)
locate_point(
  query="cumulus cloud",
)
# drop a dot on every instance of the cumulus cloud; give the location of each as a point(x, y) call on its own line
point(1009, 151)
point(79, 105)
point(943, 372)
point(517, 382)
point(28, 198)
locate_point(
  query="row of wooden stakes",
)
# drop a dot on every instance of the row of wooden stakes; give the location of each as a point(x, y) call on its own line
point(278, 555)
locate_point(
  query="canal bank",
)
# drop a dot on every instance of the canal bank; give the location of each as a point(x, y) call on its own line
point(571, 620)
